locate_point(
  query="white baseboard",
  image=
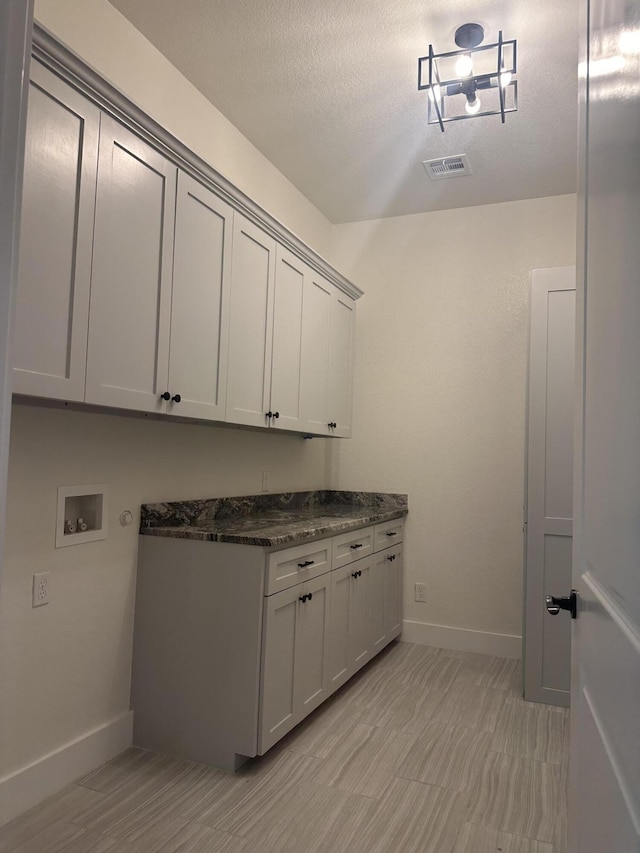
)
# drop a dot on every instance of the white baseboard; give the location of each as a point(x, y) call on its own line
point(462, 639)
point(28, 786)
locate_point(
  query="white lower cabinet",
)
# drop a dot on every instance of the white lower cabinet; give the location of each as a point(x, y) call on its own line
point(234, 645)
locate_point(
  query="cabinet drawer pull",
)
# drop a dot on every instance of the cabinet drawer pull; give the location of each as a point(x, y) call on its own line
point(356, 574)
point(306, 563)
point(393, 533)
point(176, 398)
point(391, 557)
point(355, 547)
point(332, 425)
point(272, 414)
point(165, 396)
point(310, 596)
point(303, 598)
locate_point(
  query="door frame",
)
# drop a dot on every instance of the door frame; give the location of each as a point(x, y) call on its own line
point(16, 25)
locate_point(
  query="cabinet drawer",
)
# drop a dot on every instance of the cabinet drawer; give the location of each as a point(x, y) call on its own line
point(295, 565)
point(352, 546)
point(388, 533)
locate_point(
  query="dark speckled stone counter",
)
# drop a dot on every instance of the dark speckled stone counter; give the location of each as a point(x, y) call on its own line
point(272, 519)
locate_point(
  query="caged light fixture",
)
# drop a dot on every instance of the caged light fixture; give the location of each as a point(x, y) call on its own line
point(456, 81)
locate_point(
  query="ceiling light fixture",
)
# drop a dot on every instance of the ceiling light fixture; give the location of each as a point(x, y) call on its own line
point(454, 79)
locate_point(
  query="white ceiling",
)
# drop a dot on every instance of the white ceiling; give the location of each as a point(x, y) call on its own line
point(327, 90)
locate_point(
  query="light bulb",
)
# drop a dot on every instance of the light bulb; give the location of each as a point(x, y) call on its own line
point(434, 92)
point(473, 106)
point(464, 65)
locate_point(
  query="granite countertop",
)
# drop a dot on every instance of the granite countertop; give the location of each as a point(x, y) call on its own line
point(271, 520)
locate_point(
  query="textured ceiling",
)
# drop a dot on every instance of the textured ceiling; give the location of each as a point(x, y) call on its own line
point(327, 90)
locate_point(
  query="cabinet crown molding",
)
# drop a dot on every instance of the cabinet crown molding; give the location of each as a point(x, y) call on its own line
point(67, 65)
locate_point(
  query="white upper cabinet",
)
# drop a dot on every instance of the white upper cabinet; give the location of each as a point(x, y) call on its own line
point(200, 303)
point(141, 289)
point(341, 363)
point(251, 324)
point(128, 344)
point(52, 301)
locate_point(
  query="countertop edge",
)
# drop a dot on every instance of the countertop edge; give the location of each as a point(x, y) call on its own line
point(325, 530)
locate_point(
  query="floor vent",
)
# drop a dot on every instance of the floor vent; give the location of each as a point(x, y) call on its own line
point(447, 167)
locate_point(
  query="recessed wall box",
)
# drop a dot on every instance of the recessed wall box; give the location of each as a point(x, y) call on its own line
point(82, 514)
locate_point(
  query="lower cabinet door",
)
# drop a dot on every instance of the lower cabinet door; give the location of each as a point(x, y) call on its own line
point(294, 664)
point(312, 634)
point(277, 714)
point(339, 658)
point(393, 594)
point(350, 630)
point(378, 583)
point(360, 612)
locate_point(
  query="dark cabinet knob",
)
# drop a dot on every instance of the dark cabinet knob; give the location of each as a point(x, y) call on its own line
point(332, 425)
point(356, 574)
point(165, 396)
point(176, 398)
point(302, 598)
point(276, 414)
point(310, 596)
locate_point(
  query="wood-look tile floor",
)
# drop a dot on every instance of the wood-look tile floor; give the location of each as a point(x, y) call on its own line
point(425, 750)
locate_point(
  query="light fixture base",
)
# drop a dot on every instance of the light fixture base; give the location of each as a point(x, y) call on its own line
point(469, 35)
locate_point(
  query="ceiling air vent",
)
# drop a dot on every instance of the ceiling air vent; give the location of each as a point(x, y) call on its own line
point(447, 167)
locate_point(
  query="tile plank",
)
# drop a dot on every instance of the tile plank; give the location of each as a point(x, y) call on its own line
point(532, 730)
point(447, 756)
point(470, 706)
point(365, 761)
point(518, 796)
point(412, 818)
point(474, 838)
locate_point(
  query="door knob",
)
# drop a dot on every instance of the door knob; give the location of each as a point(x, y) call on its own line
point(565, 602)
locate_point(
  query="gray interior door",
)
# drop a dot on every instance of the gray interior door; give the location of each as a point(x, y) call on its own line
point(549, 514)
point(605, 685)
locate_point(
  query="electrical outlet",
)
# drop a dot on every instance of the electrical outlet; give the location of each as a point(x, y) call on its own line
point(265, 481)
point(40, 592)
point(420, 592)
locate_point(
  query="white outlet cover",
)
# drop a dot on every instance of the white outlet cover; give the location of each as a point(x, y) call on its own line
point(40, 590)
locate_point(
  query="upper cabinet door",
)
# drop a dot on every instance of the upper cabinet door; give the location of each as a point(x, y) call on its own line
point(315, 355)
point(341, 363)
point(200, 302)
point(52, 301)
point(251, 324)
point(128, 350)
point(291, 276)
